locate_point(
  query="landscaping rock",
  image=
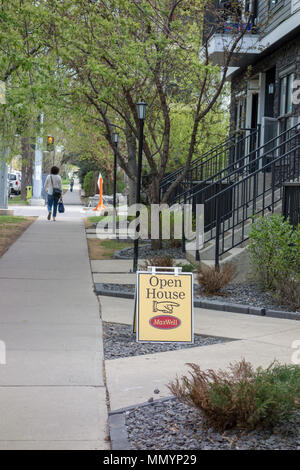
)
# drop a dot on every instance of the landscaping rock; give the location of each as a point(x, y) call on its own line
point(145, 252)
point(249, 296)
point(170, 424)
point(120, 341)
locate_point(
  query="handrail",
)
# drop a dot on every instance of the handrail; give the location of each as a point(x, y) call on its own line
point(260, 170)
point(243, 207)
point(192, 192)
point(199, 161)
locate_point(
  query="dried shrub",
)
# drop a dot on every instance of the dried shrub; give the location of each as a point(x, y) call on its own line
point(213, 279)
point(287, 292)
point(175, 243)
point(241, 396)
point(163, 261)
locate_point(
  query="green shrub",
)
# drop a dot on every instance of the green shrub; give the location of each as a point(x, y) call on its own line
point(89, 184)
point(274, 249)
point(187, 268)
point(275, 256)
point(241, 396)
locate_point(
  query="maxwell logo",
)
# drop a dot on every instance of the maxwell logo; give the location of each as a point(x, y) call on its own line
point(164, 322)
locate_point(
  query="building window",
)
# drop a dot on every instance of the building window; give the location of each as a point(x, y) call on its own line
point(273, 3)
point(286, 93)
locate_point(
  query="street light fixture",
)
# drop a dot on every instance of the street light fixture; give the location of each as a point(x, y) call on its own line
point(115, 140)
point(115, 137)
point(141, 109)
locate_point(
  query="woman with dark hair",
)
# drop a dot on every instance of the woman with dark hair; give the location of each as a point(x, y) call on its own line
point(53, 187)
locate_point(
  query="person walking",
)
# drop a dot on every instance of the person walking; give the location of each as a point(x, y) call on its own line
point(53, 186)
point(71, 184)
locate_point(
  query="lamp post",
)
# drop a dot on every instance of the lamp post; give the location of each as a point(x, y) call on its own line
point(141, 108)
point(115, 140)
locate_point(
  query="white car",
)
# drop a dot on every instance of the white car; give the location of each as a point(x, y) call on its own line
point(14, 183)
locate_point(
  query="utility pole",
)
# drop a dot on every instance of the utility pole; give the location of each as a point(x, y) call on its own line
point(3, 167)
point(3, 184)
point(37, 199)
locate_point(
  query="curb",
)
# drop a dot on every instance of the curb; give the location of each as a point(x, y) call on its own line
point(118, 433)
point(211, 305)
point(117, 427)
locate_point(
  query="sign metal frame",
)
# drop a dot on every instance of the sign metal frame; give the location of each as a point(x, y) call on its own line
point(153, 270)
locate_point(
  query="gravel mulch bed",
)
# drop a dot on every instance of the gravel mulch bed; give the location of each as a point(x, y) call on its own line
point(119, 341)
point(145, 252)
point(171, 425)
point(245, 294)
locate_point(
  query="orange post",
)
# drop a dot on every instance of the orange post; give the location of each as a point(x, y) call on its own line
point(100, 206)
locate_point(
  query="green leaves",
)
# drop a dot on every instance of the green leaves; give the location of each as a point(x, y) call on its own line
point(275, 255)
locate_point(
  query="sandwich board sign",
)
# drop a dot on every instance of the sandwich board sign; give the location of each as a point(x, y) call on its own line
point(164, 306)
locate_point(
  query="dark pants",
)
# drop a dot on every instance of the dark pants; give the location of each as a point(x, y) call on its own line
point(71, 187)
point(52, 201)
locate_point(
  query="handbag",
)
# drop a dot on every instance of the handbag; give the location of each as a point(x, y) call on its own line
point(61, 207)
point(56, 191)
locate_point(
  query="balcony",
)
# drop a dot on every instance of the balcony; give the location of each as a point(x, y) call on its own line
point(252, 43)
point(220, 43)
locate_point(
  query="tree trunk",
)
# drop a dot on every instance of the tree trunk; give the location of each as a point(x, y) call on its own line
point(96, 188)
point(27, 166)
point(132, 167)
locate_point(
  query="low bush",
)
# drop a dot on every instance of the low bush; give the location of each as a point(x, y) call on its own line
point(213, 279)
point(275, 257)
point(163, 261)
point(287, 292)
point(241, 396)
point(89, 184)
point(186, 268)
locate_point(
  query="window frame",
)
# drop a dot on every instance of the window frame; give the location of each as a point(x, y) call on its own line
point(276, 6)
point(286, 85)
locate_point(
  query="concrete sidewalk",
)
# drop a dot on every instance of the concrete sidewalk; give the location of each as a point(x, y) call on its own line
point(260, 340)
point(52, 393)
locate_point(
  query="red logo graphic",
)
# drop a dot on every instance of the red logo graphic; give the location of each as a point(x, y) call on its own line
point(164, 322)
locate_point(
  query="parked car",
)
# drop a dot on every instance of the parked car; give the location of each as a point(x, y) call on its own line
point(14, 183)
point(8, 189)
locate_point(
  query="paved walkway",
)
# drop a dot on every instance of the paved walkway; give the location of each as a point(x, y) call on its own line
point(260, 340)
point(52, 394)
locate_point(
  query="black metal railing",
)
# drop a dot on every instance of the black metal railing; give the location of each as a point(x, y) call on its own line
point(291, 202)
point(255, 193)
point(224, 179)
point(211, 164)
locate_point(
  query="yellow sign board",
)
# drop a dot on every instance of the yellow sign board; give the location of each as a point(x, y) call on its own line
point(164, 306)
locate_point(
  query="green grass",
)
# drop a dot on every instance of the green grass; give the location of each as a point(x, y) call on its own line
point(98, 218)
point(16, 200)
point(114, 245)
point(65, 183)
point(11, 219)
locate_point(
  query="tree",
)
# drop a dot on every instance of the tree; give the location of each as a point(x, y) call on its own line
point(28, 70)
point(127, 50)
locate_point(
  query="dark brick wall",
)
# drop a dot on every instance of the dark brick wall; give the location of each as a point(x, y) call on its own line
point(286, 55)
